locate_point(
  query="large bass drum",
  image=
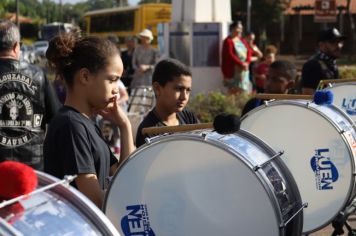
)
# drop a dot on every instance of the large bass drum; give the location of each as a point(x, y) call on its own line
point(60, 210)
point(319, 149)
point(204, 183)
point(345, 97)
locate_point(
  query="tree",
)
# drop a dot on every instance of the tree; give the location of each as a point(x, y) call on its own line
point(263, 12)
point(122, 3)
point(352, 27)
point(155, 1)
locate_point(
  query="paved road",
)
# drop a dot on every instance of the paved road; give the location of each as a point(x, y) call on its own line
point(328, 230)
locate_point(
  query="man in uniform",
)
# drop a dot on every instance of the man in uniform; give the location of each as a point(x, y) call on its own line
point(322, 65)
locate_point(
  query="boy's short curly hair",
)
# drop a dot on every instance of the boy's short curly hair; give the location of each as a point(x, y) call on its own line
point(169, 69)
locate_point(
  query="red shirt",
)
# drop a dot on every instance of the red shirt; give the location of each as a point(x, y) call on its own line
point(229, 57)
point(261, 69)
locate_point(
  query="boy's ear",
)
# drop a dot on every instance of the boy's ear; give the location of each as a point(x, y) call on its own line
point(156, 88)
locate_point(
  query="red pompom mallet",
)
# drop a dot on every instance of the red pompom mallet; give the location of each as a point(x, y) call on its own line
point(16, 179)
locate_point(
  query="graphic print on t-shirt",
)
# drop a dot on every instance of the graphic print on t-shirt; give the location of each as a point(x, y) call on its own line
point(17, 116)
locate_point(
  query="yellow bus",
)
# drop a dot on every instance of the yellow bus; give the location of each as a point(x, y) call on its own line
point(127, 21)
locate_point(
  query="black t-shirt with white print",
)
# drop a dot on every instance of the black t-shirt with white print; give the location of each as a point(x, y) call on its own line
point(74, 145)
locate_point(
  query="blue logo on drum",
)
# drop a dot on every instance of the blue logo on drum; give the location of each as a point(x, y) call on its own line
point(349, 105)
point(325, 171)
point(136, 222)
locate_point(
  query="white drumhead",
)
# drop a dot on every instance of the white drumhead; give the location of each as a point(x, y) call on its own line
point(304, 134)
point(345, 98)
point(190, 187)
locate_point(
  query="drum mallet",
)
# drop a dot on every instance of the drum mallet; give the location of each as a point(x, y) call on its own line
point(322, 83)
point(320, 97)
point(223, 124)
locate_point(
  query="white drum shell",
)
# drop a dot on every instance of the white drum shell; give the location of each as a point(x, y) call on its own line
point(299, 128)
point(188, 185)
point(61, 210)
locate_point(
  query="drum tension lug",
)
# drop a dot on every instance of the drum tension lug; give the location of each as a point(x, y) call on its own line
point(255, 168)
point(266, 102)
point(284, 224)
point(147, 140)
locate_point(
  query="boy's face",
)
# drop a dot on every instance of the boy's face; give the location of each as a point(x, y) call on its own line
point(174, 96)
point(277, 82)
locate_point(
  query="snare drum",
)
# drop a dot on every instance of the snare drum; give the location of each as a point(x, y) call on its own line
point(204, 183)
point(345, 97)
point(319, 147)
point(58, 211)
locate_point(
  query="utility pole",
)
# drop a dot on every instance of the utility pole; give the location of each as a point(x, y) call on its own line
point(249, 4)
point(61, 11)
point(18, 14)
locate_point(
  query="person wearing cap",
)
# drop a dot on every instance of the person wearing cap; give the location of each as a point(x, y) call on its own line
point(322, 65)
point(143, 60)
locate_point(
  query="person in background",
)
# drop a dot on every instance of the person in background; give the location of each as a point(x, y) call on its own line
point(261, 70)
point(126, 57)
point(144, 58)
point(236, 57)
point(255, 56)
point(28, 102)
point(115, 40)
point(74, 145)
point(280, 79)
point(172, 83)
point(322, 65)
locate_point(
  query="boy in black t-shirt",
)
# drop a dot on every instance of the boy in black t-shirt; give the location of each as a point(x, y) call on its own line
point(280, 79)
point(171, 82)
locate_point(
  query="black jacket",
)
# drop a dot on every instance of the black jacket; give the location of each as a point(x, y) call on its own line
point(27, 103)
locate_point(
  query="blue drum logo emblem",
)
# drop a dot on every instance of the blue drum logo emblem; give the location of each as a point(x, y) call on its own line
point(136, 222)
point(349, 105)
point(324, 169)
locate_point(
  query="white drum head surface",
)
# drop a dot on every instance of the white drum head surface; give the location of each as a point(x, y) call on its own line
point(345, 98)
point(315, 153)
point(189, 187)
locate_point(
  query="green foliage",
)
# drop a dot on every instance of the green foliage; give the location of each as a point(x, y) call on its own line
point(51, 11)
point(154, 1)
point(261, 10)
point(347, 72)
point(207, 106)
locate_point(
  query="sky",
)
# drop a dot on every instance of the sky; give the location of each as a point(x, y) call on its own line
point(132, 2)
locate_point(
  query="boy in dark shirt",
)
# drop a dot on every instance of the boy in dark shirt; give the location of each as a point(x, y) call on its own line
point(171, 82)
point(281, 78)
